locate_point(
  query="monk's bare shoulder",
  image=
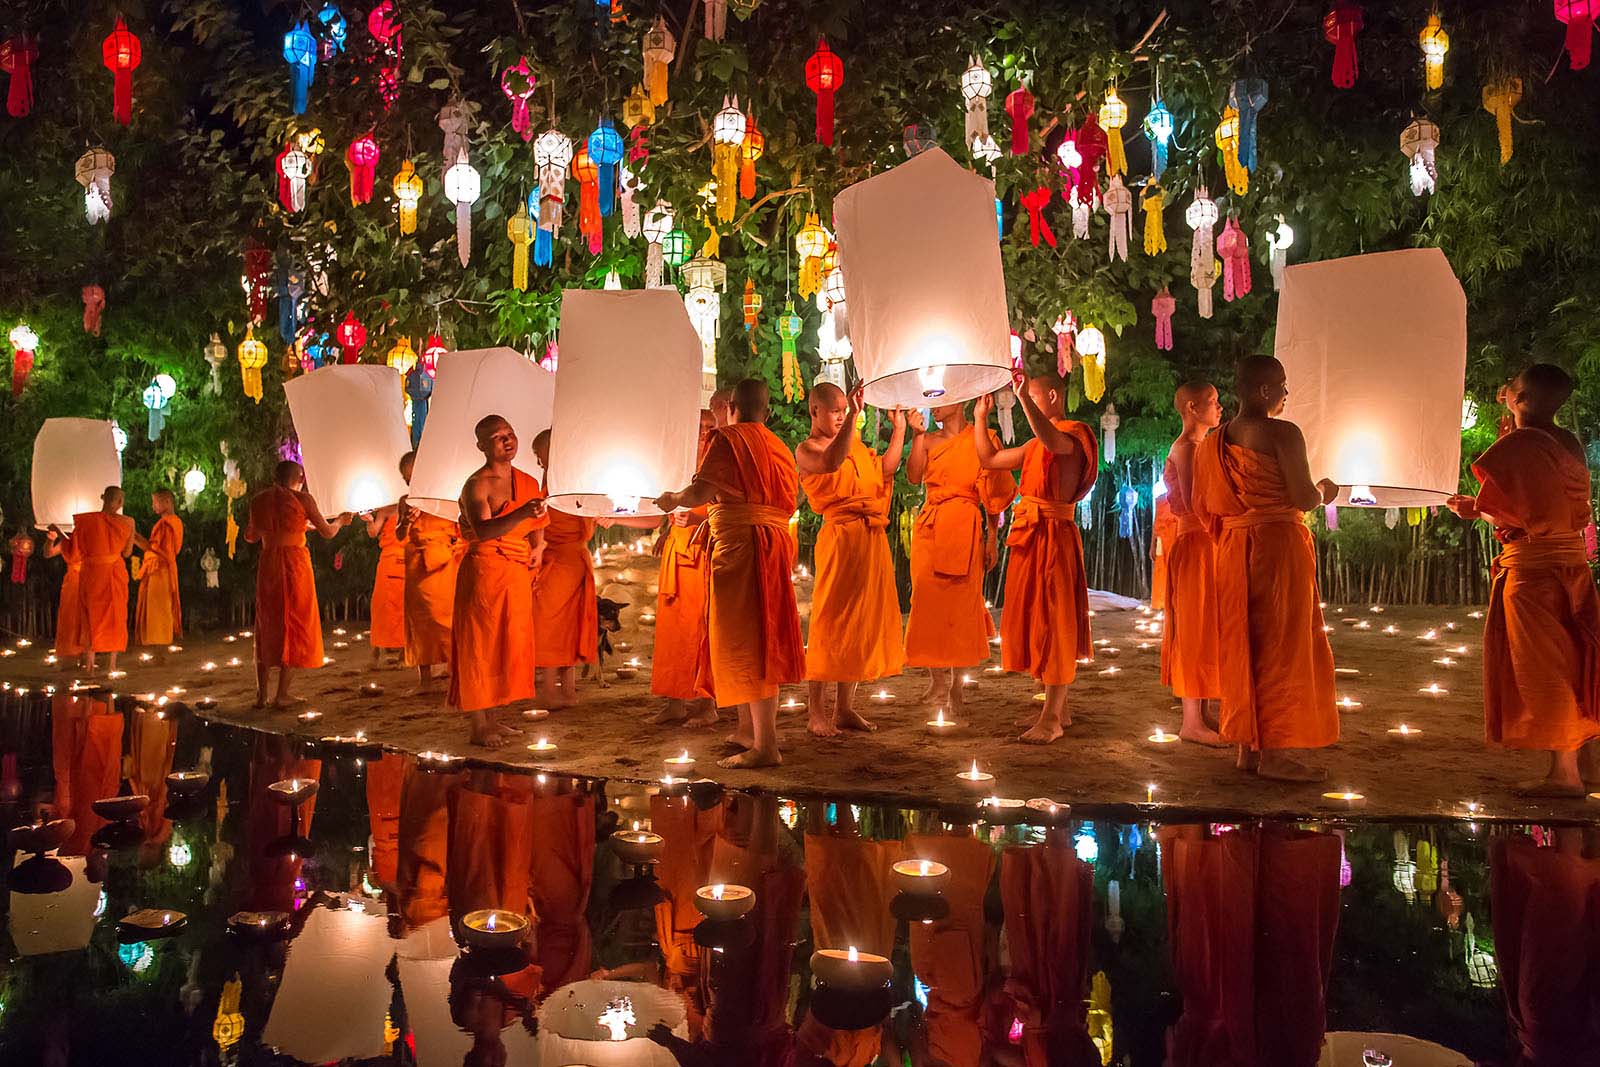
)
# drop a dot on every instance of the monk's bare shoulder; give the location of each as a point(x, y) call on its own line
point(1569, 441)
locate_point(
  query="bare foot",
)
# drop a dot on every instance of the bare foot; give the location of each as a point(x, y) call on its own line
point(1248, 759)
point(751, 759)
point(261, 700)
point(1281, 768)
point(738, 740)
point(708, 717)
point(1042, 733)
point(1203, 736)
point(850, 719)
point(492, 738)
point(563, 700)
point(675, 712)
point(1553, 788)
point(282, 701)
point(821, 725)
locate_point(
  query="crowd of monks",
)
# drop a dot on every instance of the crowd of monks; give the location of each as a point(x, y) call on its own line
point(504, 599)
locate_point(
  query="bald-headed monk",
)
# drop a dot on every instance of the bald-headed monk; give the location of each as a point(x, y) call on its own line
point(158, 612)
point(1252, 488)
point(566, 620)
point(855, 611)
point(388, 610)
point(104, 540)
point(288, 620)
point(1189, 647)
point(1044, 623)
point(721, 405)
point(491, 642)
point(433, 549)
point(954, 544)
point(680, 629)
point(1541, 639)
point(748, 477)
point(1162, 528)
point(71, 639)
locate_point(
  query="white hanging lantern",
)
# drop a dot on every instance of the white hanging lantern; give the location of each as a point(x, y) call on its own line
point(462, 186)
point(74, 460)
point(296, 167)
point(976, 87)
point(216, 354)
point(1201, 215)
point(1279, 240)
point(1418, 141)
point(93, 171)
point(1109, 421)
point(657, 223)
point(629, 184)
point(552, 155)
point(1119, 205)
point(352, 430)
point(194, 483)
point(706, 278)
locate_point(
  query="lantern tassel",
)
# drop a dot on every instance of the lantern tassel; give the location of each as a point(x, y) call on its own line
point(543, 246)
point(1155, 236)
point(1038, 225)
point(17, 55)
point(725, 171)
point(825, 117)
point(122, 96)
point(464, 232)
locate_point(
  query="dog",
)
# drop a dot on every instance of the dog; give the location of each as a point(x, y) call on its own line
point(609, 614)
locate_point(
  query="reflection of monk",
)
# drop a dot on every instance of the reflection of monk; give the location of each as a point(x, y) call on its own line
point(1251, 916)
point(1541, 640)
point(1048, 897)
point(749, 478)
point(158, 613)
point(273, 872)
point(685, 866)
point(949, 955)
point(433, 550)
point(152, 744)
point(1252, 487)
point(104, 540)
point(386, 777)
point(388, 612)
point(423, 844)
point(566, 620)
point(680, 631)
point(71, 636)
point(86, 755)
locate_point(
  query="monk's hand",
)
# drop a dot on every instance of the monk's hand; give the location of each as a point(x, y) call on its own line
point(918, 424)
point(1465, 507)
point(667, 502)
point(344, 518)
point(1328, 489)
point(982, 407)
point(533, 509)
point(858, 399)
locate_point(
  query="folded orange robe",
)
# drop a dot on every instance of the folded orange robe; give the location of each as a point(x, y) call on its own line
point(388, 612)
point(566, 621)
point(103, 585)
point(1047, 894)
point(433, 556)
point(1162, 527)
point(1541, 639)
point(86, 756)
point(288, 621)
point(491, 635)
point(1044, 623)
point(752, 623)
point(1189, 645)
point(158, 612)
point(1251, 918)
point(948, 955)
point(71, 636)
point(1277, 667)
point(949, 624)
point(1544, 903)
point(681, 613)
point(855, 611)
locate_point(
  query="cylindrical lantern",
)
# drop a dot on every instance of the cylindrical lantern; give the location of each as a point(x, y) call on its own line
point(922, 266)
point(627, 401)
point(462, 185)
point(352, 434)
point(469, 385)
point(1375, 347)
point(120, 52)
point(74, 460)
point(408, 193)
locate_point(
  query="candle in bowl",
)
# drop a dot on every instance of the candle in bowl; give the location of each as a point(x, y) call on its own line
point(939, 724)
point(293, 790)
point(119, 808)
point(679, 766)
point(1347, 703)
point(622, 646)
point(206, 703)
point(542, 747)
point(921, 878)
point(980, 782)
point(637, 846)
point(1161, 737)
point(187, 783)
point(1404, 732)
point(1433, 690)
point(371, 689)
point(309, 717)
point(535, 714)
point(493, 928)
point(647, 619)
point(792, 703)
point(1346, 797)
point(721, 903)
point(850, 970)
point(1050, 810)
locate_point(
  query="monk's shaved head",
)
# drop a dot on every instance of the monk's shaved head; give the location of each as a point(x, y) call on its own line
point(750, 401)
point(1253, 372)
point(1049, 393)
point(488, 425)
point(825, 395)
point(1542, 388)
point(111, 497)
point(164, 498)
point(288, 474)
point(407, 462)
point(541, 439)
point(1191, 393)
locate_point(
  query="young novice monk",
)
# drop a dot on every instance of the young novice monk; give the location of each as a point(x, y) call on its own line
point(1252, 488)
point(71, 640)
point(855, 610)
point(566, 620)
point(1541, 639)
point(1044, 623)
point(680, 630)
point(158, 613)
point(388, 606)
point(1189, 637)
point(433, 550)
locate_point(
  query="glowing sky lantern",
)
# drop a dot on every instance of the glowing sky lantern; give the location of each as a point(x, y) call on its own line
point(627, 401)
point(24, 346)
point(252, 357)
point(300, 52)
point(824, 76)
point(1375, 350)
point(1418, 141)
point(73, 461)
point(1434, 43)
point(920, 330)
point(408, 194)
point(121, 52)
point(93, 171)
point(352, 434)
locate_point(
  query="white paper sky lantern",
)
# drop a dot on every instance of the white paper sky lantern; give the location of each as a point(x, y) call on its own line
point(469, 385)
point(627, 401)
point(921, 262)
point(1376, 351)
point(73, 462)
point(352, 430)
point(333, 997)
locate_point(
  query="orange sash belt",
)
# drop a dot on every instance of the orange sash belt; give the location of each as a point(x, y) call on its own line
point(113, 558)
point(283, 540)
point(1543, 553)
point(778, 624)
point(1188, 524)
point(1264, 517)
point(856, 511)
point(956, 531)
point(517, 551)
point(1030, 511)
point(728, 518)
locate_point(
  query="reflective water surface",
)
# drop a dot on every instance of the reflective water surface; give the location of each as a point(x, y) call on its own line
point(334, 903)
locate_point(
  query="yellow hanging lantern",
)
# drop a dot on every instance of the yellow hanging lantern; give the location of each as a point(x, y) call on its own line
point(252, 357)
point(659, 46)
point(1228, 141)
point(812, 244)
point(1091, 346)
point(402, 357)
point(408, 192)
point(1114, 116)
point(519, 228)
point(637, 110)
point(727, 142)
point(1434, 43)
point(1152, 201)
point(1499, 97)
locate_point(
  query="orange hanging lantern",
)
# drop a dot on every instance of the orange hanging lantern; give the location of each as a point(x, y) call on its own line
point(824, 76)
point(588, 176)
point(121, 53)
point(754, 147)
point(752, 310)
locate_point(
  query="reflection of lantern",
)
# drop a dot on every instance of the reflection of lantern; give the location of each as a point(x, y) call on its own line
point(408, 193)
point(352, 434)
point(120, 52)
point(1391, 329)
point(1434, 43)
point(24, 343)
point(194, 483)
point(824, 75)
point(461, 187)
point(659, 45)
point(351, 335)
point(300, 52)
point(362, 158)
point(727, 142)
point(1340, 27)
point(976, 87)
point(517, 82)
point(93, 170)
point(657, 223)
point(155, 402)
point(1499, 97)
point(1418, 141)
point(73, 462)
point(402, 357)
point(811, 243)
point(1114, 116)
point(252, 357)
point(16, 59)
point(751, 150)
point(1579, 18)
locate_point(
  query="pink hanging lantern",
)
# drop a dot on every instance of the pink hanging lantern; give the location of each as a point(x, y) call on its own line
point(1233, 248)
point(362, 158)
point(1579, 18)
point(518, 82)
point(1161, 308)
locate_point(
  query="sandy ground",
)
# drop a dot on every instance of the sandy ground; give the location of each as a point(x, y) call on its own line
point(1104, 765)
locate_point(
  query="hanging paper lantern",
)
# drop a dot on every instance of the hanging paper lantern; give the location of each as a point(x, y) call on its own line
point(1247, 96)
point(727, 143)
point(1152, 201)
point(1091, 344)
point(518, 82)
point(402, 357)
point(194, 483)
point(1233, 248)
point(1033, 202)
point(453, 124)
point(716, 19)
point(155, 402)
point(985, 149)
point(659, 47)
point(294, 169)
point(93, 171)
point(552, 153)
point(352, 336)
point(24, 344)
point(1162, 307)
point(119, 438)
point(120, 52)
point(1579, 18)
point(1201, 215)
point(1114, 116)
point(976, 87)
point(291, 287)
point(1500, 96)
point(362, 159)
point(335, 29)
point(706, 278)
point(628, 182)
point(1279, 239)
point(1434, 43)
point(605, 150)
point(824, 76)
point(789, 327)
point(751, 150)
point(216, 355)
point(637, 110)
point(675, 250)
point(94, 302)
point(1019, 105)
point(419, 390)
point(1119, 205)
point(311, 142)
point(1109, 421)
point(1418, 142)
point(253, 357)
point(811, 243)
point(751, 305)
point(1091, 145)
point(17, 55)
point(462, 185)
point(1158, 128)
point(1227, 137)
point(257, 266)
point(383, 22)
point(408, 194)
point(300, 52)
point(1340, 26)
point(1064, 328)
point(519, 230)
point(584, 170)
point(657, 224)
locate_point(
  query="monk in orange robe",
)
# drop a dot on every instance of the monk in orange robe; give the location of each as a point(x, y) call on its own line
point(748, 477)
point(1541, 639)
point(566, 621)
point(1162, 529)
point(86, 755)
point(1044, 623)
point(855, 610)
point(680, 629)
point(104, 540)
point(491, 639)
point(1047, 895)
point(954, 543)
point(71, 639)
point(950, 954)
point(1252, 487)
point(433, 549)
point(388, 605)
point(158, 612)
point(1189, 651)
point(288, 619)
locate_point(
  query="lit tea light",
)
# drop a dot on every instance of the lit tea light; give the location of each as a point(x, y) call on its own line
point(208, 666)
point(234, 661)
point(230, 639)
point(247, 633)
point(939, 724)
point(724, 903)
point(339, 631)
point(921, 878)
point(1474, 614)
point(1428, 635)
point(637, 846)
point(851, 971)
point(1376, 609)
point(50, 661)
point(1327, 629)
point(326, 660)
point(791, 704)
point(174, 648)
point(1038, 698)
point(1161, 737)
point(975, 780)
point(175, 690)
point(309, 716)
point(627, 671)
point(24, 643)
point(1346, 670)
point(1347, 703)
point(1391, 629)
point(1450, 626)
point(8, 652)
point(1363, 625)
point(1433, 690)
point(293, 790)
point(430, 758)
point(535, 714)
point(679, 766)
point(341, 644)
point(145, 657)
point(1345, 797)
point(114, 675)
point(1459, 650)
point(1445, 661)
point(1149, 792)
point(493, 928)
point(1404, 732)
point(371, 689)
point(1348, 622)
point(967, 681)
point(883, 696)
point(206, 703)
point(623, 646)
point(1113, 669)
point(542, 747)
point(994, 668)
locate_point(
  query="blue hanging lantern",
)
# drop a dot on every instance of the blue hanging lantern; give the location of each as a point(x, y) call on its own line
point(605, 151)
point(1158, 128)
point(1248, 96)
point(300, 52)
point(543, 240)
point(334, 26)
point(316, 346)
point(1000, 217)
point(291, 287)
point(419, 387)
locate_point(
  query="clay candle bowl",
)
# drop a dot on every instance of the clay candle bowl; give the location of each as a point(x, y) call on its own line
point(1344, 798)
point(941, 725)
point(185, 784)
point(265, 925)
point(679, 766)
point(921, 878)
point(39, 838)
point(1404, 732)
point(535, 714)
point(1161, 737)
point(150, 924)
point(851, 971)
point(976, 781)
point(493, 928)
point(118, 809)
point(722, 903)
point(293, 791)
point(543, 747)
point(638, 847)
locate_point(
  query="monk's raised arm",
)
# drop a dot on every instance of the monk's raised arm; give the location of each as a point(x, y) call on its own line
point(1056, 441)
point(54, 541)
point(990, 456)
point(917, 462)
point(318, 523)
point(480, 523)
point(376, 519)
point(1290, 445)
point(897, 444)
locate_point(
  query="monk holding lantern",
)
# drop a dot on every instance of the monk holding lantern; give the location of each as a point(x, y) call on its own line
point(158, 613)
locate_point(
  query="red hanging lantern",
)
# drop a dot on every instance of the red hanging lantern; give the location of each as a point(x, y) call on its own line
point(121, 53)
point(1019, 105)
point(362, 159)
point(588, 176)
point(824, 76)
point(1579, 18)
point(753, 148)
point(1092, 144)
point(257, 268)
point(21, 548)
point(16, 59)
point(1340, 26)
point(351, 335)
point(431, 353)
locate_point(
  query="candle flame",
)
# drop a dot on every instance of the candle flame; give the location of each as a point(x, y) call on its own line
point(974, 768)
point(490, 925)
point(853, 956)
point(716, 892)
point(924, 868)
